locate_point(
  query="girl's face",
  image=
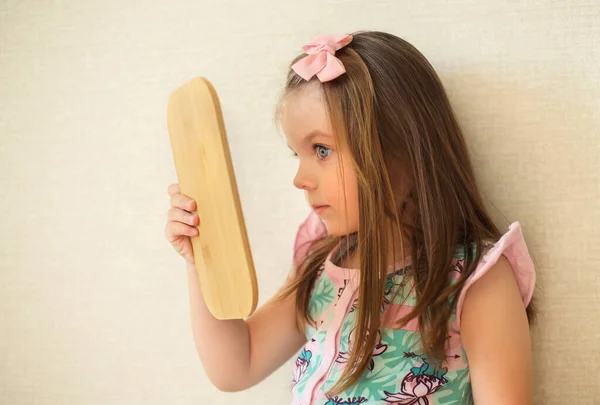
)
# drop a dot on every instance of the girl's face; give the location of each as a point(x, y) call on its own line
point(309, 135)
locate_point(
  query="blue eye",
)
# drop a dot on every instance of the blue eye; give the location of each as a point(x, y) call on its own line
point(323, 148)
point(319, 149)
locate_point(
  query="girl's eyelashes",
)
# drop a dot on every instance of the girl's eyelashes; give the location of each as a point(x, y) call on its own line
point(318, 148)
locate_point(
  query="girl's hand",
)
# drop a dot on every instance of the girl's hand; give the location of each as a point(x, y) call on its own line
point(182, 223)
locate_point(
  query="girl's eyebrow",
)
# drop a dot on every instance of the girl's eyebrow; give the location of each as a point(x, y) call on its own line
point(312, 135)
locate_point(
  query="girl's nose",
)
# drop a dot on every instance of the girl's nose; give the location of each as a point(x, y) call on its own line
point(303, 180)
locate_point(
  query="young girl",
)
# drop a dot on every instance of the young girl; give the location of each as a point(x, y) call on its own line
point(403, 291)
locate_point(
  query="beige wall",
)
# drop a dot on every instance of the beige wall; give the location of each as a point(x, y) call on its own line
point(93, 300)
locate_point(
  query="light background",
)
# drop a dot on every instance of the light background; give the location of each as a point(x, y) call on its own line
point(93, 300)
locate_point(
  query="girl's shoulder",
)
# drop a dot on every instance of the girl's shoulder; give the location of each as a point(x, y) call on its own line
point(513, 247)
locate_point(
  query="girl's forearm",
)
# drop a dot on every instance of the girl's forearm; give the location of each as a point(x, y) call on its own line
point(222, 345)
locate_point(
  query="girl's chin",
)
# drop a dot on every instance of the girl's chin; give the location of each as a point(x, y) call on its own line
point(333, 228)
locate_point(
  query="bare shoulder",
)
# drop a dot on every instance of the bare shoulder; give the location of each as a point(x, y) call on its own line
point(499, 276)
point(493, 296)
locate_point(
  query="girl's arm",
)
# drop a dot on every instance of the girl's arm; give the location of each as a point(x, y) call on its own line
point(496, 339)
point(237, 353)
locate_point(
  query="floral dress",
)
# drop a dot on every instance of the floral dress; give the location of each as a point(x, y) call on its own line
point(398, 372)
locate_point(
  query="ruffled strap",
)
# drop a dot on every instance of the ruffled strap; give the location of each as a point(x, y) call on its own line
point(310, 229)
point(512, 245)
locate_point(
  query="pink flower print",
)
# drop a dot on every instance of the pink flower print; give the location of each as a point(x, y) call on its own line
point(302, 363)
point(417, 386)
point(343, 357)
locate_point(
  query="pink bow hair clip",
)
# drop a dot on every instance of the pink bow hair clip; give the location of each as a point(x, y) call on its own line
point(320, 60)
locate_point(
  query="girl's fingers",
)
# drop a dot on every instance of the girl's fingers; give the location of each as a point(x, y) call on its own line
point(175, 229)
point(183, 216)
point(179, 200)
point(183, 202)
point(173, 189)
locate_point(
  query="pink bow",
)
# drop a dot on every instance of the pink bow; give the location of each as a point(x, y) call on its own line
point(320, 60)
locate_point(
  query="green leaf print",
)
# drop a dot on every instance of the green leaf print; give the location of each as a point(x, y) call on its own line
point(360, 390)
point(321, 297)
point(399, 343)
point(458, 392)
point(347, 327)
point(310, 331)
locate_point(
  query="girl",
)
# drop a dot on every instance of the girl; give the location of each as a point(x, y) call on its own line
point(403, 291)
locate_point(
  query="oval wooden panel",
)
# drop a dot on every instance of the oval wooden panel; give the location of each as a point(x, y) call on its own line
point(205, 172)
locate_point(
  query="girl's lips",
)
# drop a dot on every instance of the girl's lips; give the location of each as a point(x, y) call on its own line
point(320, 209)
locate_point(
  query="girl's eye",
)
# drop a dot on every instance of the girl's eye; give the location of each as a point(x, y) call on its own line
point(322, 151)
point(326, 150)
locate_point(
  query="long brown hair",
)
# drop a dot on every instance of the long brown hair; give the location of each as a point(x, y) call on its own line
point(391, 111)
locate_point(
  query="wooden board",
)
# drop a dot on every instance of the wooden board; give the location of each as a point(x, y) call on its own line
point(205, 172)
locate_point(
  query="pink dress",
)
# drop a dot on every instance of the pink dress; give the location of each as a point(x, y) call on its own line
point(398, 372)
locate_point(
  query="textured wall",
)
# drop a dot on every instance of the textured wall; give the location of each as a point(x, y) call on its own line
point(93, 300)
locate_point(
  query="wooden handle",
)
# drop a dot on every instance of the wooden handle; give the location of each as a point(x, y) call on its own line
point(205, 172)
